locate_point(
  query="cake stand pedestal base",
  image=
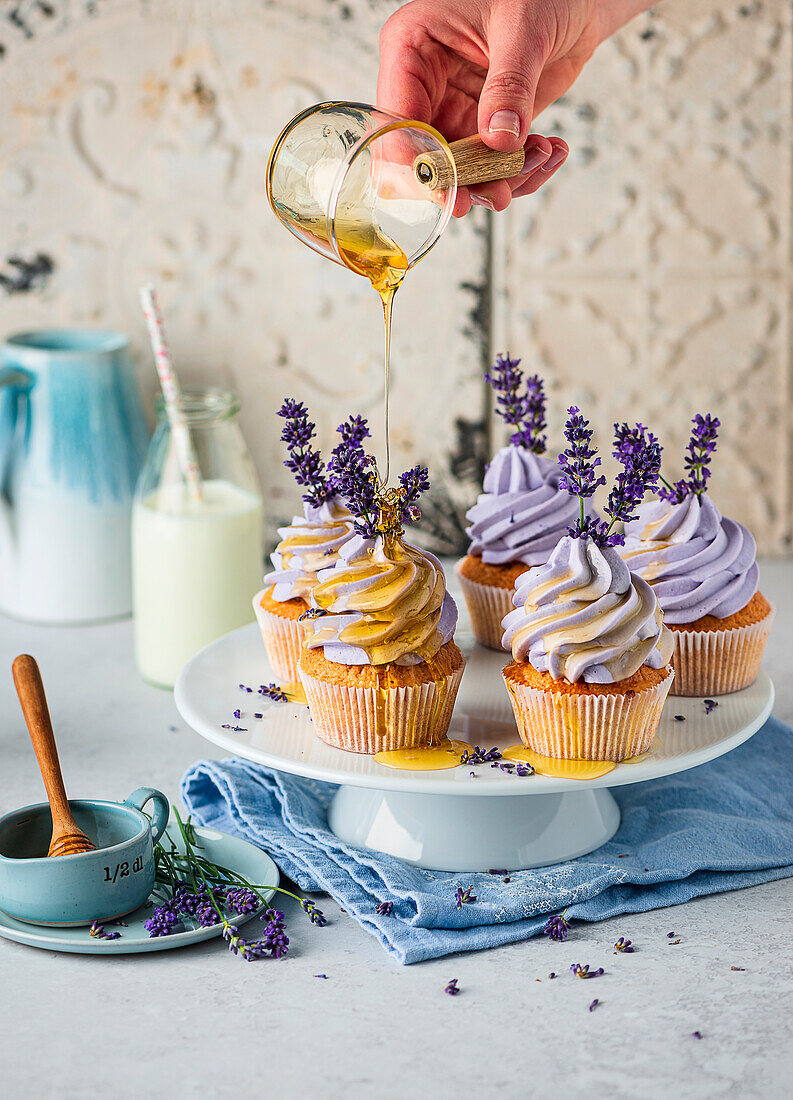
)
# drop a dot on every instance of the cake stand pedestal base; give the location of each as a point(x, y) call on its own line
point(470, 833)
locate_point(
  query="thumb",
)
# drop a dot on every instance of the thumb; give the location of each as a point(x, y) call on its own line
point(506, 104)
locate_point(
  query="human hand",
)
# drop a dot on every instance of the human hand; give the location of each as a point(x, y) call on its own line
point(491, 66)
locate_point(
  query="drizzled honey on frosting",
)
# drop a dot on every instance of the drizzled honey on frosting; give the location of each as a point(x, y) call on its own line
point(308, 545)
point(584, 616)
point(385, 602)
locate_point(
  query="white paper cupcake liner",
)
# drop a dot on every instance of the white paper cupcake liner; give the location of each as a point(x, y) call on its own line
point(487, 605)
point(367, 721)
point(717, 662)
point(588, 727)
point(283, 640)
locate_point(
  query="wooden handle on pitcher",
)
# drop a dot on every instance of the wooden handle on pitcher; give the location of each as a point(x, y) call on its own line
point(475, 163)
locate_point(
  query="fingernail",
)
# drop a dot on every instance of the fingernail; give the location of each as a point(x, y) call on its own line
point(504, 122)
point(555, 159)
point(534, 158)
point(479, 200)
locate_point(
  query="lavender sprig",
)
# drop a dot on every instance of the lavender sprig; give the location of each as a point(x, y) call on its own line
point(304, 461)
point(579, 461)
point(557, 927)
point(699, 452)
point(519, 404)
point(638, 452)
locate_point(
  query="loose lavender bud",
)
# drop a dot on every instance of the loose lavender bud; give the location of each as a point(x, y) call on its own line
point(556, 927)
point(384, 908)
point(451, 988)
point(680, 717)
point(464, 897)
point(624, 945)
point(584, 971)
point(273, 691)
point(480, 756)
point(696, 1034)
point(710, 704)
point(594, 1004)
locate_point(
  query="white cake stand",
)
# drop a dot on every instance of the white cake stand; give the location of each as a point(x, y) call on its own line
point(451, 819)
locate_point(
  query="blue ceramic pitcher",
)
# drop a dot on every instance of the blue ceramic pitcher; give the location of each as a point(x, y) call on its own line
point(72, 438)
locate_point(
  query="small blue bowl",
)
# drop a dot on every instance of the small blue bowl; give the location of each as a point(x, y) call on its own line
point(75, 890)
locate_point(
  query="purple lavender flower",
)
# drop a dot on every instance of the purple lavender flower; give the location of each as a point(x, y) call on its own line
point(710, 704)
point(98, 931)
point(316, 916)
point(163, 921)
point(452, 988)
point(578, 461)
point(594, 1005)
point(234, 729)
point(384, 908)
point(639, 454)
point(238, 899)
point(525, 410)
point(557, 927)
point(699, 452)
point(480, 756)
point(304, 461)
point(584, 971)
point(273, 691)
point(464, 897)
point(274, 941)
point(624, 945)
point(696, 1034)
point(412, 483)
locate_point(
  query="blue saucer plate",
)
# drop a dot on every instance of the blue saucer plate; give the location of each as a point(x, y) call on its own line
point(244, 858)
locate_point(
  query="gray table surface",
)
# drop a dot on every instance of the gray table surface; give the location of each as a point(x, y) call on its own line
point(201, 1023)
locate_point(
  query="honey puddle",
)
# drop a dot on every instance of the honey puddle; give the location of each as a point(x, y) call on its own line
point(295, 694)
point(425, 758)
point(566, 769)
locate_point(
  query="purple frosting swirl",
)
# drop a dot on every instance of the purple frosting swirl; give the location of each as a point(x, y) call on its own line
point(585, 616)
point(522, 513)
point(697, 561)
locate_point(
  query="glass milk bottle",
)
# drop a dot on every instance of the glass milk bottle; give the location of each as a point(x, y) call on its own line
point(195, 562)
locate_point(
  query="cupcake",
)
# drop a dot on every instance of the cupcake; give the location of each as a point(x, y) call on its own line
point(379, 668)
point(591, 653)
point(521, 514)
point(703, 569)
point(309, 544)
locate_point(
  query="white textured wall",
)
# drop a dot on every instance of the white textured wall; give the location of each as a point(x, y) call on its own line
point(651, 279)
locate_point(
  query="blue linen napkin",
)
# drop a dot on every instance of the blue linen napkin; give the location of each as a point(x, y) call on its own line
point(721, 826)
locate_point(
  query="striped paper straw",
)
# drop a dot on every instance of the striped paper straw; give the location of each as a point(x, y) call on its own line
point(171, 391)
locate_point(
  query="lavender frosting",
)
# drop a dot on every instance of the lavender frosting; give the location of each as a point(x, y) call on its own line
point(522, 513)
point(399, 595)
point(309, 544)
point(697, 561)
point(585, 616)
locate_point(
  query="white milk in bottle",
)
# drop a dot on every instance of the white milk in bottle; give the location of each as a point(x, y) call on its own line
point(196, 560)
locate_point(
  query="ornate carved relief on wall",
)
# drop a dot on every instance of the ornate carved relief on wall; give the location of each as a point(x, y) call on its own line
point(652, 278)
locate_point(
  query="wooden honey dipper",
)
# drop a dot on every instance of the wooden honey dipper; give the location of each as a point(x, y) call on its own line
point(67, 838)
point(475, 163)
